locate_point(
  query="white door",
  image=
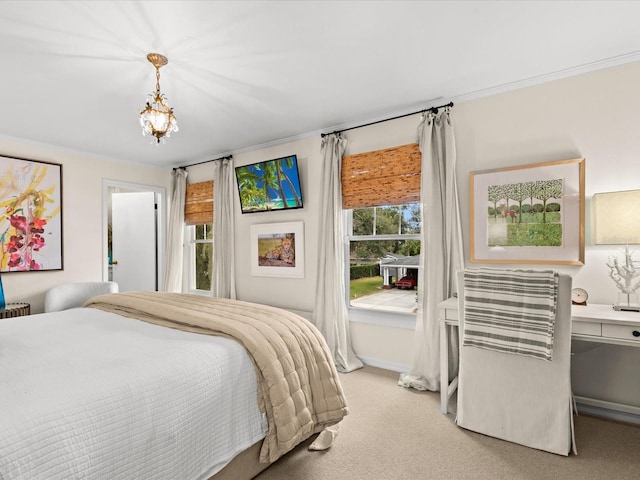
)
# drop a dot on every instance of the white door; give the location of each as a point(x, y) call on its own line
point(134, 247)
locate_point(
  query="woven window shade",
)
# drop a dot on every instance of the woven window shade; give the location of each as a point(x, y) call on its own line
point(198, 204)
point(383, 177)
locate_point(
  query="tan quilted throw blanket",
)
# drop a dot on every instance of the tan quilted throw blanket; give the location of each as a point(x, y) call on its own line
point(297, 381)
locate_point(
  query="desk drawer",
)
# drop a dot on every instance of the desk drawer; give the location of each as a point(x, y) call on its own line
point(620, 331)
point(586, 328)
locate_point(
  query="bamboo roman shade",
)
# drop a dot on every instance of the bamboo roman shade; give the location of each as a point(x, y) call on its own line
point(383, 177)
point(198, 204)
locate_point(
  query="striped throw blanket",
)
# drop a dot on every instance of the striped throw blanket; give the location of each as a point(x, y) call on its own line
point(510, 311)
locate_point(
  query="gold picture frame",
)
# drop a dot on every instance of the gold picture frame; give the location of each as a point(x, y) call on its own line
point(530, 214)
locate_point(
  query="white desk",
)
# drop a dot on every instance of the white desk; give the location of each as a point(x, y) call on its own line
point(593, 323)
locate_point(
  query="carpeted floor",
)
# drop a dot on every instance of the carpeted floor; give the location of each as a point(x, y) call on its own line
point(395, 433)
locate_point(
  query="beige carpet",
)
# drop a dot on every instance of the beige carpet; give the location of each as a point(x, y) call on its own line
point(395, 433)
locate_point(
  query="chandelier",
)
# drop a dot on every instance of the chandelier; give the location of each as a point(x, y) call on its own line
point(157, 118)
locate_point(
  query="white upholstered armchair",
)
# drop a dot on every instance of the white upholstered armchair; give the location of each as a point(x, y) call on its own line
point(72, 295)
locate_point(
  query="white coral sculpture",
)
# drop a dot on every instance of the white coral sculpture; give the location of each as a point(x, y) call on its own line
point(625, 275)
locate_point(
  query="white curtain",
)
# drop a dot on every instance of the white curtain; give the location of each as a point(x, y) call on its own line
point(330, 309)
point(223, 280)
point(442, 251)
point(172, 281)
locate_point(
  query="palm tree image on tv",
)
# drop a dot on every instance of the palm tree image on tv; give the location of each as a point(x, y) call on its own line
point(525, 214)
point(270, 185)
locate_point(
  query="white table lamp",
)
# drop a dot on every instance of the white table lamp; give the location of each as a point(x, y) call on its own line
point(616, 217)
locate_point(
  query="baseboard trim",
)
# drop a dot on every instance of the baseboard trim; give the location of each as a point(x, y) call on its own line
point(385, 364)
point(588, 406)
point(608, 410)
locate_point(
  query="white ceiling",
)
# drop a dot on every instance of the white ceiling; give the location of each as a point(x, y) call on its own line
point(245, 74)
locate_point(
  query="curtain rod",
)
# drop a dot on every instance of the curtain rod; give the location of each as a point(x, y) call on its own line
point(204, 161)
point(432, 109)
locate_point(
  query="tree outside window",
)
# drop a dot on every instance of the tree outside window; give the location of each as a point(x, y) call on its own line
point(375, 232)
point(202, 255)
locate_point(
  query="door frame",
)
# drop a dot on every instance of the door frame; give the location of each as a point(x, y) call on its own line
point(161, 195)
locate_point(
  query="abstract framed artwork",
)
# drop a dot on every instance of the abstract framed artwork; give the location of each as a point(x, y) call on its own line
point(532, 214)
point(30, 215)
point(277, 250)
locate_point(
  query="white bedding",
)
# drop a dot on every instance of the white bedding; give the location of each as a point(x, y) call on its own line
point(86, 394)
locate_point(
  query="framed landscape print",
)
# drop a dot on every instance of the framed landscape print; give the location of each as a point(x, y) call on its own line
point(277, 250)
point(30, 215)
point(529, 213)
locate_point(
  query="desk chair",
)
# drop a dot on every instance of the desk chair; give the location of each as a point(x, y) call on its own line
point(518, 398)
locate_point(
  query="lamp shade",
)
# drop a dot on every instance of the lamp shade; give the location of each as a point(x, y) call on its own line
point(616, 217)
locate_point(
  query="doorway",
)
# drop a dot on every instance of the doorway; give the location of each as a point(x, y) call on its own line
point(133, 235)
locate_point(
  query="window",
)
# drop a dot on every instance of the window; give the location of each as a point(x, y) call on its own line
point(198, 216)
point(200, 257)
point(384, 247)
point(381, 201)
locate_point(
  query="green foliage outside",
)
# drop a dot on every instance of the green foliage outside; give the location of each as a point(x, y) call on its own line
point(204, 255)
point(365, 254)
point(373, 250)
point(365, 286)
point(386, 220)
point(363, 271)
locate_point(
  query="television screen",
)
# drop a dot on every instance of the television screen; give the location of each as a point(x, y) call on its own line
point(270, 185)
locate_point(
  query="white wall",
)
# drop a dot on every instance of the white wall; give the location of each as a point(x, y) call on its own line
point(297, 294)
point(595, 116)
point(82, 216)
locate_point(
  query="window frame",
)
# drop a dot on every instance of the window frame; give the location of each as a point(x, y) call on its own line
point(365, 315)
point(190, 257)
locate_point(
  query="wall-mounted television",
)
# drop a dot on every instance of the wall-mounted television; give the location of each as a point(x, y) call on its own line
point(269, 185)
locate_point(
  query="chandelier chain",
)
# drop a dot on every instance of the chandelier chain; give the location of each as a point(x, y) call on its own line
point(157, 81)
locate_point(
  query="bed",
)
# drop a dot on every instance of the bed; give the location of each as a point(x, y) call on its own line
point(158, 385)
